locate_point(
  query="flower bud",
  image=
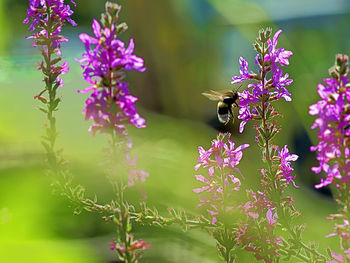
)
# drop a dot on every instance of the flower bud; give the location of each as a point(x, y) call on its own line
point(112, 8)
point(258, 49)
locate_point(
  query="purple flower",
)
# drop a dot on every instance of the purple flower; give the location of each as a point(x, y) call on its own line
point(59, 14)
point(285, 158)
point(210, 185)
point(332, 174)
point(104, 63)
point(234, 156)
point(100, 60)
point(257, 206)
point(204, 158)
point(280, 82)
point(221, 162)
point(332, 124)
point(244, 74)
point(279, 55)
point(213, 213)
point(267, 89)
point(137, 176)
point(271, 218)
point(225, 155)
point(112, 115)
point(47, 19)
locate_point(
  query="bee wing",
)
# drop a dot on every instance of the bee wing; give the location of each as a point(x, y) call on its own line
point(213, 95)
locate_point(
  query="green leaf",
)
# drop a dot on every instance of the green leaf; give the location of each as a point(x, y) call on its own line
point(43, 110)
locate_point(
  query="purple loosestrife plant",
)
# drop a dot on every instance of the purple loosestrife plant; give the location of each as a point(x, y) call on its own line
point(112, 107)
point(333, 149)
point(270, 208)
point(220, 184)
point(46, 20)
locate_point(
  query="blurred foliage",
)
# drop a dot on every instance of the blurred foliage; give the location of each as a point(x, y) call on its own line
point(188, 47)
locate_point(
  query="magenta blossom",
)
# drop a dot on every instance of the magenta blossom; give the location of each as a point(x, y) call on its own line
point(271, 217)
point(44, 13)
point(333, 126)
point(269, 59)
point(258, 204)
point(101, 59)
point(221, 181)
point(279, 55)
point(244, 74)
point(285, 168)
point(112, 115)
point(110, 105)
point(48, 18)
point(230, 157)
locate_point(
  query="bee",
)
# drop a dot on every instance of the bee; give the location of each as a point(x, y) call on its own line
point(227, 100)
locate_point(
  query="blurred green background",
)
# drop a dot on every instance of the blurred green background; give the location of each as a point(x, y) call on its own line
point(189, 46)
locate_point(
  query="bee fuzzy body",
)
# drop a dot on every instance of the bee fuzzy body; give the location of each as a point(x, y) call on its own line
point(224, 112)
point(226, 101)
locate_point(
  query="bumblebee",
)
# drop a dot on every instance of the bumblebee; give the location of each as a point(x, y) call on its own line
point(227, 100)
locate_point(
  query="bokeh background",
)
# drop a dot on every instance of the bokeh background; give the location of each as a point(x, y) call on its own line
point(189, 46)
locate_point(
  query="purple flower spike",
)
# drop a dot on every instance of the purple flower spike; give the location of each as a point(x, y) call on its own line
point(38, 12)
point(47, 19)
point(263, 89)
point(333, 126)
point(220, 180)
point(104, 64)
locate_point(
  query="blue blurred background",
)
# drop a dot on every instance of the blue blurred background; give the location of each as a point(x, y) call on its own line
point(189, 46)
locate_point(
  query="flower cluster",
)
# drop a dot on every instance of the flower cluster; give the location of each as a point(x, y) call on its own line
point(284, 168)
point(221, 161)
point(269, 207)
point(47, 19)
point(263, 246)
point(257, 205)
point(135, 176)
point(133, 248)
point(338, 258)
point(258, 240)
point(138, 244)
point(263, 89)
point(110, 104)
point(333, 124)
point(342, 231)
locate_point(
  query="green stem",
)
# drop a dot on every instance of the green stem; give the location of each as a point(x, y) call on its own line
point(272, 176)
point(302, 244)
point(50, 87)
point(263, 107)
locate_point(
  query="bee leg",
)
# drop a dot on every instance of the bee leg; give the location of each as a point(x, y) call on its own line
point(231, 113)
point(236, 104)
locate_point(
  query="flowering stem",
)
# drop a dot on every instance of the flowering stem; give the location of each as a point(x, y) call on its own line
point(277, 175)
point(263, 106)
point(53, 101)
point(52, 128)
point(124, 225)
